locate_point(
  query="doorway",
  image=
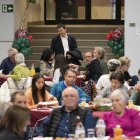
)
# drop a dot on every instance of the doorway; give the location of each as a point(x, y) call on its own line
point(84, 11)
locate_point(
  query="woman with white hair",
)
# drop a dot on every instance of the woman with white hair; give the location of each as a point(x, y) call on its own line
point(128, 119)
point(20, 70)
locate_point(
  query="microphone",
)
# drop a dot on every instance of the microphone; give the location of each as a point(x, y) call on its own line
point(40, 120)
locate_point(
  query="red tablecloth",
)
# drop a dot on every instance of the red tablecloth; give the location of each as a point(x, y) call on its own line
point(37, 114)
point(2, 80)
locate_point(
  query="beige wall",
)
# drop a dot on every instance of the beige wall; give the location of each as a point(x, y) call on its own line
point(35, 12)
point(101, 9)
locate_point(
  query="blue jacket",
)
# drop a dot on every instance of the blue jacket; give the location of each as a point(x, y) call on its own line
point(58, 88)
point(7, 65)
point(65, 124)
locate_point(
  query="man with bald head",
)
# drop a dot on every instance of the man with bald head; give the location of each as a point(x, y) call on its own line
point(63, 120)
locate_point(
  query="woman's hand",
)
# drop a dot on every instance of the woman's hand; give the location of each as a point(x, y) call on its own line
point(51, 98)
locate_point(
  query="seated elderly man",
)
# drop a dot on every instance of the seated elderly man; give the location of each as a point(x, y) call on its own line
point(63, 120)
point(19, 98)
point(128, 119)
point(8, 63)
point(69, 81)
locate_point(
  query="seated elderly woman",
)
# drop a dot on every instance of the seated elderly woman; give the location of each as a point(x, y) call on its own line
point(128, 119)
point(135, 96)
point(117, 82)
point(20, 70)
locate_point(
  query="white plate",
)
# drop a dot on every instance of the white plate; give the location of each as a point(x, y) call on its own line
point(137, 137)
point(48, 103)
point(43, 138)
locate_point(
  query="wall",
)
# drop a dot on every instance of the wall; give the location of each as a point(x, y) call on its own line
point(132, 34)
point(10, 22)
point(6, 29)
point(35, 12)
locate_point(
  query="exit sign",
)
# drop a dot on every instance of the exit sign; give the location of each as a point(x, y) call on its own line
point(7, 8)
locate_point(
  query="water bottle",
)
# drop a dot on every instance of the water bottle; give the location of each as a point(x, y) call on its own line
point(80, 131)
point(118, 133)
point(100, 129)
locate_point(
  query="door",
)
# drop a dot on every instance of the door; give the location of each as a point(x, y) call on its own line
point(84, 11)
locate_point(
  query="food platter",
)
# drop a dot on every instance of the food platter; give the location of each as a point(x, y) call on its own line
point(94, 106)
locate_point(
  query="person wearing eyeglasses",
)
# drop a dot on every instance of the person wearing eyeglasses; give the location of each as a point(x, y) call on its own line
point(69, 81)
point(63, 120)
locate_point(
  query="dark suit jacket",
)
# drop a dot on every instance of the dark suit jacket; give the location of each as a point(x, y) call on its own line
point(57, 46)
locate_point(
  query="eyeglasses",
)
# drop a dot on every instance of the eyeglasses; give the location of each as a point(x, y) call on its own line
point(69, 95)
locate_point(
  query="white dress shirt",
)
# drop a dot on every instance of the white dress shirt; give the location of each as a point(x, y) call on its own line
point(65, 44)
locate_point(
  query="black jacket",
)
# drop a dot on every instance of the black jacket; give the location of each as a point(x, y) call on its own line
point(76, 57)
point(93, 71)
point(57, 116)
point(7, 135)
point(57, 46)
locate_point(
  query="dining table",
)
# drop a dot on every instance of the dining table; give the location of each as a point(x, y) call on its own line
point(39, 114)
point(106, 138)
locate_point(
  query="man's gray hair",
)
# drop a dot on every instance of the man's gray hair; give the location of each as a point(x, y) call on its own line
point(122, 94)
point(70, 89)
point(12, 51)
point(3, 107)
point(19, 58)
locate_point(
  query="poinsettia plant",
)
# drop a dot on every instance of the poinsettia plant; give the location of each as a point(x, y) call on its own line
point(116, 41)
point(22, 42)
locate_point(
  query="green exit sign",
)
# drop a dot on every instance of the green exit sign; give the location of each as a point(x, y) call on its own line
point(7, 8)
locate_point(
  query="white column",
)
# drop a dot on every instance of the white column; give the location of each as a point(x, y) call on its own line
point(132, 34)
point(6, 29)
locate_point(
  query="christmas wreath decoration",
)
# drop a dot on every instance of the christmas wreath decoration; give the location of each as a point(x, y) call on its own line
point(22, 42)
point(116, 41)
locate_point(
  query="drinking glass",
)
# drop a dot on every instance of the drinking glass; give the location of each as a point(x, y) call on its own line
point(90, 133)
